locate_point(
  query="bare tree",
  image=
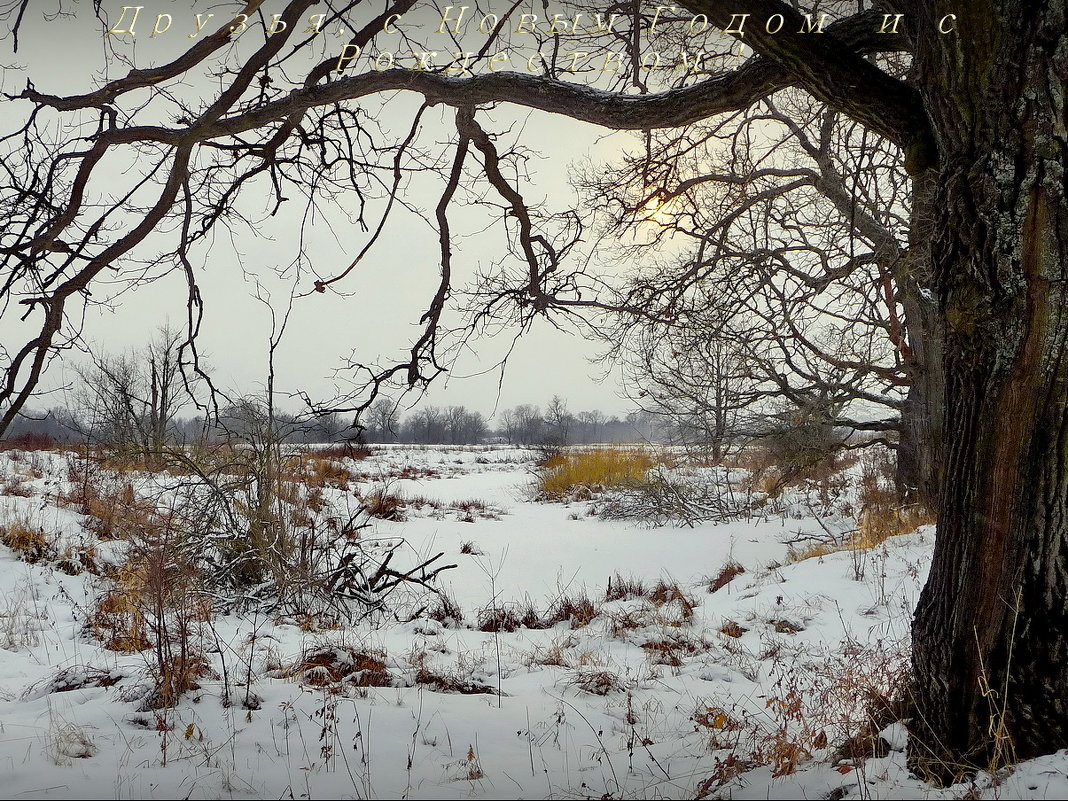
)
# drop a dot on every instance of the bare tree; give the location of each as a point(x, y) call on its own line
point(557, 421)
point(757, 311)
point(130, 401)
point(383, 421)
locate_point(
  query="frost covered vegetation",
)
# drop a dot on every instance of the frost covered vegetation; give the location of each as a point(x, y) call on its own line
point(400, 621)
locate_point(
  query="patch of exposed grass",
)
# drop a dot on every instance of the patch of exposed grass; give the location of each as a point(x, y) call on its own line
point(579, 475)
point(30, 542)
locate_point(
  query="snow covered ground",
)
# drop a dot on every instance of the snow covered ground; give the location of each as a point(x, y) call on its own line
point(656, 688)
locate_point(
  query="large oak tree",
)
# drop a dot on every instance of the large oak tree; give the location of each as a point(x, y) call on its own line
point(979, 124)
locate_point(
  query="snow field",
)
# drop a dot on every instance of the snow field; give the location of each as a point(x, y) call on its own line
point(663, 690)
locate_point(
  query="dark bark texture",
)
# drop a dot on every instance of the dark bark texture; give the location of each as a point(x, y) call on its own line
point(919, 454)
point(990, 647)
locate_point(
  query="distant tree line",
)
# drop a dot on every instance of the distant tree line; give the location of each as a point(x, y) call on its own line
point(138, 403)
point(525, 424)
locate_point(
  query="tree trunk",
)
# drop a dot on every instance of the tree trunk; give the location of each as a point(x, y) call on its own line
point(919, 456)
point(989, 640)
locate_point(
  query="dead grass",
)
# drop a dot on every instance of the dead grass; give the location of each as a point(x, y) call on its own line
point(597, 682)
point(728, 573)
point(335, 666)
point(621, 589)
point(446, 610)
point(732, 628)
point(498, 618)
point(315, 471)
point(714, 718)
point(553, 655)
point(579, 475)
point(344, 450)
point(619, 623)
point(666, 593)
point(30, 441)
point(108, 499)
point(442, 682)
point(471, 509)
point(578, 610)
point(118, 622)
point(76, 559)
point(671, 651)
point(29, 541)
point(883, 515)
point(385, 505)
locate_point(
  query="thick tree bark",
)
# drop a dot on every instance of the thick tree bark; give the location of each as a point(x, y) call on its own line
point(991, 630)
point(919, 455)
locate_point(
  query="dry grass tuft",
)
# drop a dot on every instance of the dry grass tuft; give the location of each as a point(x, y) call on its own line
point(598, 682)
point(446, 610)
point(319, 471)
point(578, 610)
point(728, 573)
point(441, 682)
point(332, 667)
point(732, 628)
point(665, 593)
point(622, 589)
point(30, 542)
point(498, 618)
point(579, 475)
point(670, 652)
point(883, 515)
point(385, 506)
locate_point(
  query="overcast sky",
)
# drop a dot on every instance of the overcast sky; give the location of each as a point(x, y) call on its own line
point(392, 285)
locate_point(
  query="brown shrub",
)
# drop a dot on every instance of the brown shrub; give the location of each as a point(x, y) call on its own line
point(31, 441)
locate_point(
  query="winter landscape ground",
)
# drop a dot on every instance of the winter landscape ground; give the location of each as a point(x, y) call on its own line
point(590, 642)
